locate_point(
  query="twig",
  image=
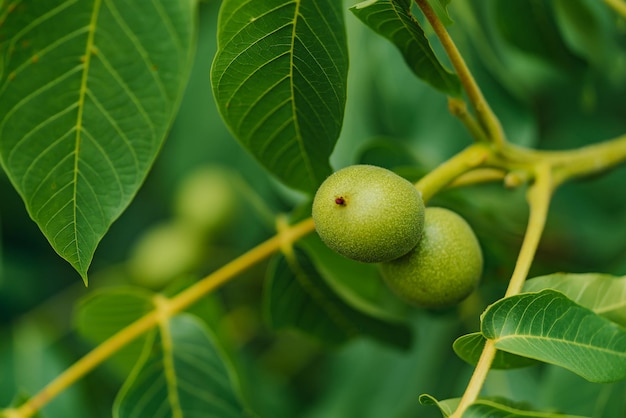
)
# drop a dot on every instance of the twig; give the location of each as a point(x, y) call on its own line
point(539, 196)
point(485, 115)
point(471, 157)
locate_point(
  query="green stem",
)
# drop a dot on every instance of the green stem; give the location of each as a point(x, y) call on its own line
point(589, 160)
point(471, 157)
point(539, 196)
point(477, 380)
point(486, 116)
point(478, 175)
point(458, 108)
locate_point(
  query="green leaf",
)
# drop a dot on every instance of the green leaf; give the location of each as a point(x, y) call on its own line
point(184, 376)
point(298, 297)
point(105, 312)
point(279, 79)
point(602, 293)
point(469, 347)
point(88, 90)
point(393, 20)
point(446, 407)
point(549, 327)
point(489, 408)
point(484, 408)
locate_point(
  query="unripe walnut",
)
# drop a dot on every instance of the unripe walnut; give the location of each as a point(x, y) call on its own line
point(445, 266)
point(368, 213)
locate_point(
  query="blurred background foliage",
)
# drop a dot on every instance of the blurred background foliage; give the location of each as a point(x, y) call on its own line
point(553, 71)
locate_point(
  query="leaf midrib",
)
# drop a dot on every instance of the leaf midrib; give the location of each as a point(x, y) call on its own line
point(89, 45)
point(306, 158)
point(577, 344)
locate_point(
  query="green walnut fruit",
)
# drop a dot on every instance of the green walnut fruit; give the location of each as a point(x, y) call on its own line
point(368, 213)
point(445, 266)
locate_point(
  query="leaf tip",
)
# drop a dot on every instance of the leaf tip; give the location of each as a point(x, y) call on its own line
point(84, 276)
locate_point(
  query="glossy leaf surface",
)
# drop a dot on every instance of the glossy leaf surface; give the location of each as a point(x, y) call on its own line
point(279, 79)
point(88, 90)
point(549, 327)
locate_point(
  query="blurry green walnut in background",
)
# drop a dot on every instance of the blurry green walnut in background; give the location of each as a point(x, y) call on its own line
point(445, 266)
point(165, 252)
point(206, 199)
point(368, 213)
point(205, 205)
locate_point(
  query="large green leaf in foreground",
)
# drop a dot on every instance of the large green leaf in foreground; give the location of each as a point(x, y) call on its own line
point(548, 326)
point(88, 90)
point(279, 78)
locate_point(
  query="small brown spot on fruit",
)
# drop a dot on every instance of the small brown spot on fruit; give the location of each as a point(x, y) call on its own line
point(340, 201)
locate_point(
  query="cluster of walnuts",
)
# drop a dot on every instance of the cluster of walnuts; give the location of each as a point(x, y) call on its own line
point(429, 256)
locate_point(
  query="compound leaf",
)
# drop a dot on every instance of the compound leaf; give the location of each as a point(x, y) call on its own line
point(549, 327)
point(184, 376)
point(88, 90)
point(297, 296)
point(279, 79)
point(393, 20)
